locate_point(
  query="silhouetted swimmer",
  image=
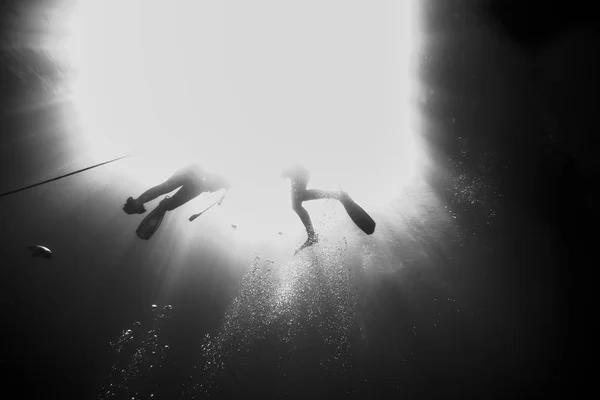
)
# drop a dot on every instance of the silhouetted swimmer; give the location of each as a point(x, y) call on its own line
point(191, 181)
point(299, 177)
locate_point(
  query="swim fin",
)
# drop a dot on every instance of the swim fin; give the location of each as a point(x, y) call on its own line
point(152, 222)
point(358, 215)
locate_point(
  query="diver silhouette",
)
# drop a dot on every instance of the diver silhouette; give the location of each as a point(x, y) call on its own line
point(192, 181)
point(299, 177)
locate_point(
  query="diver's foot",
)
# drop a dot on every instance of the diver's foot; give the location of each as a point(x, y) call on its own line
point(133, 206)
point(309, 242)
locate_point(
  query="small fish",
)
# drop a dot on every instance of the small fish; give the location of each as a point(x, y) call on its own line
point(40, 251)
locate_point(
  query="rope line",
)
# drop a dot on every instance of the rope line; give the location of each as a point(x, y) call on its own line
point(63, 176)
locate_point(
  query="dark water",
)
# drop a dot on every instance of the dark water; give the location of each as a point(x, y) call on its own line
point(467, 289)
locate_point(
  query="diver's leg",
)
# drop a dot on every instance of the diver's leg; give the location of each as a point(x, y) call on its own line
point(310, 231)
point(182, 196)
point(136, 206)
point(303, 195)
point(299, 193)
point(316, 194)
point(298, 196)
point(178, 179)
point(189, 175)
point(305, 218)
point(152, 193)
point(341, 196)
point(185, 176)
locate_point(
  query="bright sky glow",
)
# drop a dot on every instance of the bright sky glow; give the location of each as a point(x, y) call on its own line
point(248, 87)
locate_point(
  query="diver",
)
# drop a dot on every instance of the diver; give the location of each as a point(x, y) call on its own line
point(192, 181)
point(299, 177)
